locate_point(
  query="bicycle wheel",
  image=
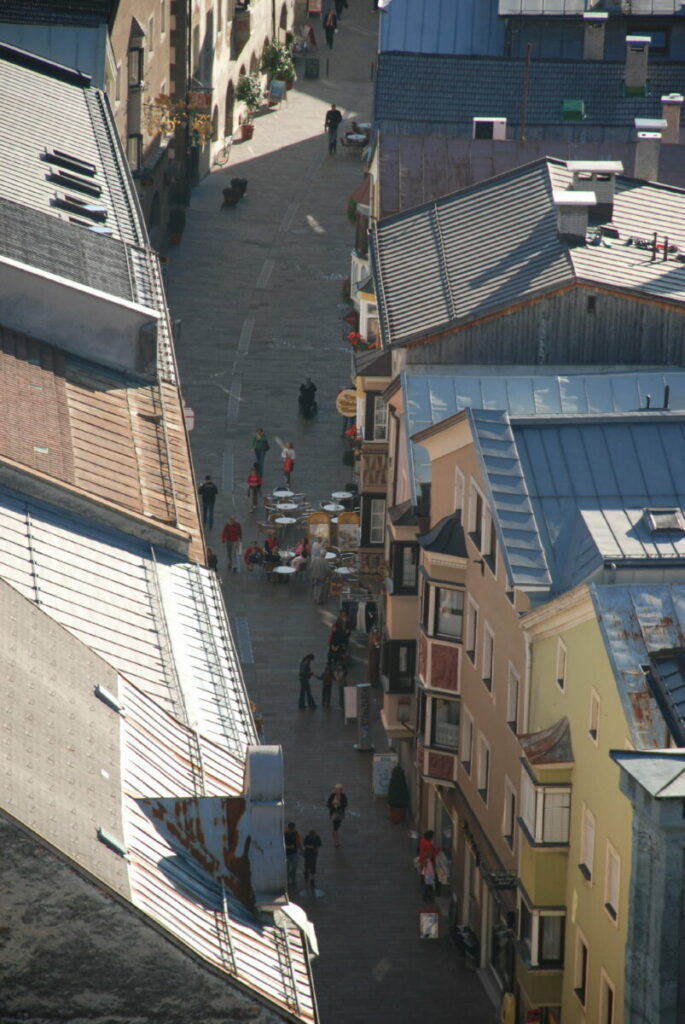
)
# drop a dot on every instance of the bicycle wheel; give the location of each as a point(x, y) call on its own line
point(222, 156)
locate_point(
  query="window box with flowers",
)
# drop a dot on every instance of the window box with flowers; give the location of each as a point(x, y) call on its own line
point(359, 343)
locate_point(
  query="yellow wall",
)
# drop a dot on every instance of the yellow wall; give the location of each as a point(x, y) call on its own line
point(594, 783)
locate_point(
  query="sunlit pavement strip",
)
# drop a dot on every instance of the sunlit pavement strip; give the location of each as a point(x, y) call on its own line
point(234, 397)
point(245, 336)
point(265, 274)
point(290, 212)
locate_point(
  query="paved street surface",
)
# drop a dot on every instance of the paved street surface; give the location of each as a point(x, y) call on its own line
point(258, 290)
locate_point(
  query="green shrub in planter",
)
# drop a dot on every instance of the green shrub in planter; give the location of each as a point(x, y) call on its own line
point(249, 91)
point(398, 790)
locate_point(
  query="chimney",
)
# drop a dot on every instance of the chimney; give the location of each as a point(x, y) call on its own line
point(598, 177)
point(594, 25)
point(572, 214)
point(647, 148)
point(670, 112)
point(637, 54)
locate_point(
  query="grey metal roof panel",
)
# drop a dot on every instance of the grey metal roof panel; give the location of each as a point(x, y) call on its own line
point(82, 46)
point(442, 26)
point(448, 91)
point(50, 12)
point(547, 8)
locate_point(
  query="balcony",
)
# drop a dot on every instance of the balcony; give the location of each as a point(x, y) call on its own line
point(396, 715)
point(373, 470)
point(543, 874)
point(541, 986)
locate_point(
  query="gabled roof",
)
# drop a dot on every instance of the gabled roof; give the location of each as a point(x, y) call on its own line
point(568, 493)
point(661, 773)
point(448, 91)
point(496, 244)
point(642, 628)
point(57, 12)
point(446, 537)
point(76, 763)
point(441, 26)
point(416, 169)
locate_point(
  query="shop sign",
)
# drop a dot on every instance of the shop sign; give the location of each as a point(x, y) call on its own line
point(346, 402)
point(383, 765)
point(363, 717)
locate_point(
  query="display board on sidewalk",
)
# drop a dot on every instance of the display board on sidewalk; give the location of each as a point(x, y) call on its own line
point(383, 765)
point(350, 702)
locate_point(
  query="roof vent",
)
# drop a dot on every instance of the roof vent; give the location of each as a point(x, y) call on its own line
point(107, 697)
point(72, 163)
point(598, 176)
point(637, 55)
point(490, 128)
point(111, 841)
point(670, 112)
point(573, 110)
point(594, 24)
point(573, 209)
point(74, 204)
point(664, 519)
point(68, 180)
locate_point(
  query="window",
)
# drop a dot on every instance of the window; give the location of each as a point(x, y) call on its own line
point(509, 813)
point(445, 724)
point(136, 65)
point(594, 716)
point(513, 686)
point(580, 985)
point(591, 303)
point(606, 1001)
point(405, 568)
point(542, 936)
point(399, 665)
point(458, 489)
point(162, 17)
point(475, 518)
point(488, 666)
point(117, 84)
point(472, 630)
point(587, 844)
point(374, 521)
point(380, 419)
point(489, 540)
point(561, 664)
point(483, 780)
point(218, 17)
point(467, 741)
point(134, 151)
point(612, 882)
point(151, 34)
point(545, 812)
point(449, 613)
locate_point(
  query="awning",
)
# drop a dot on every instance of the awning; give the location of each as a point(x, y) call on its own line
point(362, 195)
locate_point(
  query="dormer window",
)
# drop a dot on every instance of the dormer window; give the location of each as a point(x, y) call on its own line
point(666, 519)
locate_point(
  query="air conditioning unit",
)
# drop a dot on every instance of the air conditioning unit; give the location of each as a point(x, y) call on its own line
point(490, 128)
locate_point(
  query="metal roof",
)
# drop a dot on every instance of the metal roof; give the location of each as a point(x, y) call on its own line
point(62, 12)
point(547, 8)
point(568, 493)
point(159, 621)
point(464, 265)
point(661, 773)
point(636, 623)
point(415, 169)
point(441, 26)
point(447, 91)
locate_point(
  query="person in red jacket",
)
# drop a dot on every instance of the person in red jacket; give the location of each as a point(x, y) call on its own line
point(254, 487)
point(427, 854)
point(231, 536)
point(254, 555)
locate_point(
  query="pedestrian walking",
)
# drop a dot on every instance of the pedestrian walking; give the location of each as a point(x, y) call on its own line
point(339, 5)
point(340, 676)
point(312, 845)
point(305, 689)
point(327, 677)
point(260, 446)
point(212, 561)
point(288, 460)
point(331, 125)
point(330, 24)
point(208, 492)
point(427, 854)
point(319, 573)
point(254, 486)
point(231, 536)
point(337, 805)
point(293, 849)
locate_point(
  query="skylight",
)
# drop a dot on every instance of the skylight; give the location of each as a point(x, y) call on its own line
point(658, 519)
point(72, 163)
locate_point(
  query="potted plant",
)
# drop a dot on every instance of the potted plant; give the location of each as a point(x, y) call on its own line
point(398, 795)
point(249, 92)
point(274, 56)
point(177, 222)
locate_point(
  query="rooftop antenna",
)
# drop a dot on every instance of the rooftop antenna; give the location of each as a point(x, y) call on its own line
point(524, 92)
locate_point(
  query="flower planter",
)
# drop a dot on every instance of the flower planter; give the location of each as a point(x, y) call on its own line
point(175, 237)
point(397, 814)
point(246, 130)
point(289, 85)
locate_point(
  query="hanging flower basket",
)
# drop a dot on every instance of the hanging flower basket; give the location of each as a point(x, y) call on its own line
point(359, 343)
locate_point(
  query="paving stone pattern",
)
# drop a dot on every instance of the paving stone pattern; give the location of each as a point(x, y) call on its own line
point(258, 290)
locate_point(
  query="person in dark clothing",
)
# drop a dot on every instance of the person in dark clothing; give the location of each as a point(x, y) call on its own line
point(337, 805)
point(327, 677)
point(312, 845)
point(212, 561)
point(339, 5)
point(305, 675)
point(260, 446)
point(330, 24)
point(331, 125)
point(208, 492)
point(293, 849)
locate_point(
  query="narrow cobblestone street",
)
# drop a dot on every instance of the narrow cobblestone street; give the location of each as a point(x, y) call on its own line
point(258, 291)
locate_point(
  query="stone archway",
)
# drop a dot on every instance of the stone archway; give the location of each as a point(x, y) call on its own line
point(230, 108)
point(254, 64)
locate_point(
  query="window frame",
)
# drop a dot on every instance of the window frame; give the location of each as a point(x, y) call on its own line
point(607, 986)
point(392, 650)
point(137, 139)
point(471, 639)
point(369, 528)
point(531, 935)
point(587, 844)
point(436, 703)
point(513, 676)
point(581, 968)
point(459, 489)
point(435, 591)
point(464, 746)
point(612, 907)
point(475, 513)
point(488, 681)
point(532, 801)
point(151, 34)
point(483, 768)
point(509, 809)
point(162, 18)
point(397, 554)
point(595, 711)
point(135, 71)
point(562, 664)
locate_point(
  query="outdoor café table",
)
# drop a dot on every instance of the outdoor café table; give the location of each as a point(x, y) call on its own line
point(286, 506)
point(283, 492)
point(285, 572)
point(342, 570)
point(341, 495)
point(333, 507)
point(285, 520)
point(285, 555)
point(330, 555)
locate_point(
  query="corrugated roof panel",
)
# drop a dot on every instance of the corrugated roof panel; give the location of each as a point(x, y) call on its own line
point(441, 26)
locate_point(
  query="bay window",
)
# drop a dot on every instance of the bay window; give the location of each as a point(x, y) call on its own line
point(545, 812)
point(445, 723)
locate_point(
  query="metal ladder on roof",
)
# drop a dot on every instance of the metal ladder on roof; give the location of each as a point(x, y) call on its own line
point(223, 931)
point(285, 961)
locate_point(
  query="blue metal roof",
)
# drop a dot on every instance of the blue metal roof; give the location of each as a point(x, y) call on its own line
point(442, 26)
point(638, 622)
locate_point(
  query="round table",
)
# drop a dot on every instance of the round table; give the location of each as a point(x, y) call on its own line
point(342, 570)
point(287, 556)
point(341, 495)
point(285, 570)
point(286, 506)
point(330, 555)
point(283, 492)
point(333, 506)
point(285, 520)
